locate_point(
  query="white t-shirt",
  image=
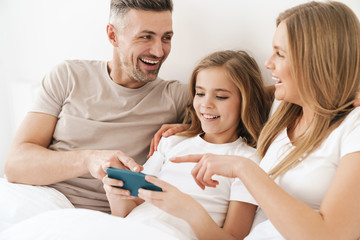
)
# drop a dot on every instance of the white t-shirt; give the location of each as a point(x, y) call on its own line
point(310, 179)
point(214, 200)
point(95, 113)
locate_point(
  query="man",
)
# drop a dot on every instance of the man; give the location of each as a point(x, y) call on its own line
point(92, 112)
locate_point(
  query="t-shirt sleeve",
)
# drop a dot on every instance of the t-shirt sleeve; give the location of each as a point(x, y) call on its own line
point(240, 193)
point(351, 136)
point(182, 99)
point(154, 164)
point(52, 92)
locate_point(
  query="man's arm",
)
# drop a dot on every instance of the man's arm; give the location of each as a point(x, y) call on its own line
point(30, 161)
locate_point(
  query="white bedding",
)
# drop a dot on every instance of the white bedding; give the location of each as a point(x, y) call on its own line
point(19, 202)
point(42, 213)
point(80, 224)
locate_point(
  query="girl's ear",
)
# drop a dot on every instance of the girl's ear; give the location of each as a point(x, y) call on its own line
point(112, 35)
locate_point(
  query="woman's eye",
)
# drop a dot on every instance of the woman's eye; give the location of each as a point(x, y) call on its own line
point(279, 55)
point(200, 94)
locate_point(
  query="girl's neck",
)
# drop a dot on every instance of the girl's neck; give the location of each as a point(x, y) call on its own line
point(218, 139)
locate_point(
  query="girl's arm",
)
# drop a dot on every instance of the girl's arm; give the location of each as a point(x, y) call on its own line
point(121, 203)
point(339, 214)
point(238, 220)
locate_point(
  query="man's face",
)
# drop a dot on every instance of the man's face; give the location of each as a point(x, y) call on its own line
point(144, 43)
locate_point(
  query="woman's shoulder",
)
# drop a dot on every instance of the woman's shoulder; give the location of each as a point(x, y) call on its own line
point(352, 120)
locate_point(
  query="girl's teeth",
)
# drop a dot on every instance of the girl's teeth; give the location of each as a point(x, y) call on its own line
point(275, 79)
point(210, 116)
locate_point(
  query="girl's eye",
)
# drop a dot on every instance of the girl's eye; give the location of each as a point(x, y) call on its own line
point(200, 94)
point(222, 98)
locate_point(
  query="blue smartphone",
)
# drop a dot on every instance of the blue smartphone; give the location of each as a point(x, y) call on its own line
point(132, 180)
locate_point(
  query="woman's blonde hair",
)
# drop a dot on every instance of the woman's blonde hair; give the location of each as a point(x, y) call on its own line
point(244, 72)
point(324, 56)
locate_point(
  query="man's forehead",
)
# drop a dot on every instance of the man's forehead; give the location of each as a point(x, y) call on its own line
point(159, 22)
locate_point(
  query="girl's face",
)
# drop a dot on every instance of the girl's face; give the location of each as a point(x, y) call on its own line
point(279, 65)
point(217, 105)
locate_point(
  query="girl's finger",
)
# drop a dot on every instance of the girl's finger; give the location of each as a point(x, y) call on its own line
point(112, 181)
point(158, 182)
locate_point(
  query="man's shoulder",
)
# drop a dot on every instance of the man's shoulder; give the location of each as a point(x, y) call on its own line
point(173, 87)
point(77, 63)
point(171, 83)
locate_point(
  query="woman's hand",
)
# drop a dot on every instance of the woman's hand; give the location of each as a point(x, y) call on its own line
point(211, 164)
point(166, 130)
point(171, 199)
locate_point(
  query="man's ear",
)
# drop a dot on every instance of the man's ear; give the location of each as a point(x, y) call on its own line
point(112, 35)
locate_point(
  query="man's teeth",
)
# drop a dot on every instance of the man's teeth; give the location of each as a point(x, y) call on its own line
point(210, 116)
point(149, 61)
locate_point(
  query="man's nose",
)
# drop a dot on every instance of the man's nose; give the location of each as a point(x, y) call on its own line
point(157, 49)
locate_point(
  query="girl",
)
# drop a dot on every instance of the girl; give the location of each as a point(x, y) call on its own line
point(307, 185)
point(227, 114)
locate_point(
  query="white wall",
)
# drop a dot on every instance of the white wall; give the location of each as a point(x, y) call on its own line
point(37, 34)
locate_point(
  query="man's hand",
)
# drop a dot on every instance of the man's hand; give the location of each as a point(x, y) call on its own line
point(99, 160)
point(166, 130)
point(357, 101)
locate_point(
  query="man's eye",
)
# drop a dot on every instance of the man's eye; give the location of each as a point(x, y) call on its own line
point(167, 38)
point(145, 37)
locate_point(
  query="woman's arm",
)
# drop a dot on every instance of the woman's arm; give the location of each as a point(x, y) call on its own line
point(238, 220)
point(339, 215)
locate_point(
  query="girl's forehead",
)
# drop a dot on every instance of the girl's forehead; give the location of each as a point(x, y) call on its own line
point(215, 79)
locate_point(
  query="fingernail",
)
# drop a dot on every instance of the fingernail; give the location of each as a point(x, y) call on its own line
point(135, 168)
point(106, 165)
point(165, 134)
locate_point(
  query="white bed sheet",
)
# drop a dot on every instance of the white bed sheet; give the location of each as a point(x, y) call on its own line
point(71, 224)
point(19, 202)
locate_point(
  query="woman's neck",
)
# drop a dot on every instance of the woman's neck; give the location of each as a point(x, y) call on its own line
point(302, 124)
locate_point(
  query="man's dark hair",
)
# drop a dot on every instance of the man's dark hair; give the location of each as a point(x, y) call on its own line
point(119, 8)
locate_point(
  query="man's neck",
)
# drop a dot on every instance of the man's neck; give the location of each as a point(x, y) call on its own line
point(118, 77)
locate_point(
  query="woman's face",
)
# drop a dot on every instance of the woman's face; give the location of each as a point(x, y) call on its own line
point(279, 64)
point(217, 105)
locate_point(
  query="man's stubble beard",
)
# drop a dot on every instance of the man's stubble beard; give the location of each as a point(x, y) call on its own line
point(140, 76)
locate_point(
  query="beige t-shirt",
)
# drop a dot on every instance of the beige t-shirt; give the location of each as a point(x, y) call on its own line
point(95, 113)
